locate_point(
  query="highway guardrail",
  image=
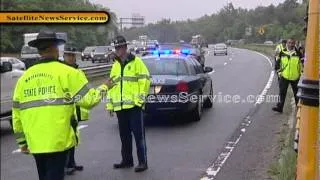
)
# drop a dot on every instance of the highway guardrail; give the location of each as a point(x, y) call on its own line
point(97, 71)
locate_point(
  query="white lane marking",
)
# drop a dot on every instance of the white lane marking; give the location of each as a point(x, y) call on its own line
point(230, 59)
point(214, 169)
point(225, 63)
point(82, 126)
point(79, 127)
point(265, 57)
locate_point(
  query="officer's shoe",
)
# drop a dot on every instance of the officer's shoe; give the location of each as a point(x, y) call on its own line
point(141, 167)
point(277, 109)
point(78, 168)
point(122, 165)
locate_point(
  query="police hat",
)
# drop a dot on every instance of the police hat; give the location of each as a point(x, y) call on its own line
point(45, 39)
point(119, 41)
point(283, 41)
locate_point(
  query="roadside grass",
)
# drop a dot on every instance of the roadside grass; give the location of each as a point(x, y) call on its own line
point(268, 50)
point(284, 168)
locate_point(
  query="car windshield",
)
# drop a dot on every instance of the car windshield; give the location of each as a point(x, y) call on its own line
point(29, 50)
point(166, 66)
point(88, 49)
point(220, 46)
point(101, 49)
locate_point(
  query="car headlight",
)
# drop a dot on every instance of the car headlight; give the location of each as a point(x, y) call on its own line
point(91, 54)
point(82, 54)
point(105, 55)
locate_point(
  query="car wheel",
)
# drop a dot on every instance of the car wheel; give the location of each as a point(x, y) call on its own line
point(208, 103)
point(226, 54)
point(92, 61)
point(197, 112)
point(214, 54)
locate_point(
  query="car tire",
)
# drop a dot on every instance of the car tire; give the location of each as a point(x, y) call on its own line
point(208, 103)
point(214, 54)
point(226, 54)
point(92, 60)
point(197, 112)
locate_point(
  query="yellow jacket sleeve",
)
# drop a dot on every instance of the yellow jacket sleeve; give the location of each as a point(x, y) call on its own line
point(82, 94)
point(143, 80)
point(16, 121)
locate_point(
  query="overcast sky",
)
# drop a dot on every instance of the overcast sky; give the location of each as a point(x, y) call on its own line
point(154, 10)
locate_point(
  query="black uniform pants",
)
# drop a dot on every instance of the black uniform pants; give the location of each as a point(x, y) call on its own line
point(51, 165)
point(131, 120)
point(71, 163)
point(283, 85)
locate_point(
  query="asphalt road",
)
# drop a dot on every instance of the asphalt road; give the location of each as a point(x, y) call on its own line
point(180, 151)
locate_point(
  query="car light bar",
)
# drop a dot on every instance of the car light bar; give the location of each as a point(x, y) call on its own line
point(169, 51)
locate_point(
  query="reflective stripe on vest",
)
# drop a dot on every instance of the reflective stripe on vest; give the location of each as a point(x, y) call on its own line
point(143, 76)
point(49, 102)
point(83, 91)
point(44, 102)
point(126, 78)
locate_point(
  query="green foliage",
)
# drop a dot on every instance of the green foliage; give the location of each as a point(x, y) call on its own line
point(282, 21)
point(79, 34)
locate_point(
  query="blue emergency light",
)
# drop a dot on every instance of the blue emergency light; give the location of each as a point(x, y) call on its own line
point(168, 51)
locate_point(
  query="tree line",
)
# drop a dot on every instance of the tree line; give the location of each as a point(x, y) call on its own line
point(79, 35)
point(279, 22)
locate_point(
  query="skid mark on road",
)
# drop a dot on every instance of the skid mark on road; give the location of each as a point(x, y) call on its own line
point(218, 163)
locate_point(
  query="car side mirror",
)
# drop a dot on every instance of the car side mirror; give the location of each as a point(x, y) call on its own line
point(208, 69)
point(6, 67)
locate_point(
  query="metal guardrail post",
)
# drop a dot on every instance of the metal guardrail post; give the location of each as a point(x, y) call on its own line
point(308, 162)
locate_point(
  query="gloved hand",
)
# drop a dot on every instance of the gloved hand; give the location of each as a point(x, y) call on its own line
point(24, 149)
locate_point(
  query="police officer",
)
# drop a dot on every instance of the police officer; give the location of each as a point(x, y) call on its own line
point(127, 97)
point(43, 104)
point(81, 114)
point(290, 70)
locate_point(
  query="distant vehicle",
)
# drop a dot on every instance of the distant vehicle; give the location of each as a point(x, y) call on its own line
point(196, 52)
point(199, 41)
point(151, 45)
point(15, 62)
point(29, 55)
point(140, 47)
point(101, 54)
point(175, 72)
point(269, 43)
point(87, 53)
point(220, 49)
point(9, 78)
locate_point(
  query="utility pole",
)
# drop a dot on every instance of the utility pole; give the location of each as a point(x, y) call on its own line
point(308, 147)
